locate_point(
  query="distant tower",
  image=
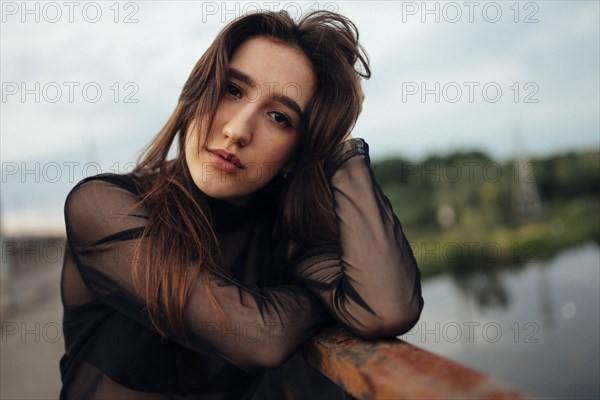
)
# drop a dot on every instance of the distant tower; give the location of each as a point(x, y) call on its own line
point(526, 198)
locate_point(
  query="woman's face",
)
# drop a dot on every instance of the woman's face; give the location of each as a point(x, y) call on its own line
point(256, 129)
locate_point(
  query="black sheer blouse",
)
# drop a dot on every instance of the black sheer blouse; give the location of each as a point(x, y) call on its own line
point(368, 282)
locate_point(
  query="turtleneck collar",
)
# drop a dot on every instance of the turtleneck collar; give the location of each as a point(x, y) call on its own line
point(227, 216)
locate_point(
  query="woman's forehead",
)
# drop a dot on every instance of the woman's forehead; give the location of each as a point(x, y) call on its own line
point(275, 67)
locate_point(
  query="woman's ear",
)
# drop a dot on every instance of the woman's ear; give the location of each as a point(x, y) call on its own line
point(285, 171)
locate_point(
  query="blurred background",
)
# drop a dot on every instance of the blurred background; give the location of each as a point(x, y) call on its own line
point(484, 128)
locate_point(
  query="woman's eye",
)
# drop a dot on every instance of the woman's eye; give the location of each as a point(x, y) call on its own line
point(281, 119)
point(234, 90)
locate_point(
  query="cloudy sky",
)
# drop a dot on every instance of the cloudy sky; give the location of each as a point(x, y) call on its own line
point(86, 86)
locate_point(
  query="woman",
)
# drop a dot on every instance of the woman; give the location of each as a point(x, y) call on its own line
point(190, 276)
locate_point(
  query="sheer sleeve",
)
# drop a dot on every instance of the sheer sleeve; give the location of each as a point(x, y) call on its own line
point(370, 282)
point(267, 325)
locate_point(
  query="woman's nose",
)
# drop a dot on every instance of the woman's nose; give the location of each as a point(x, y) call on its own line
point(238, 128)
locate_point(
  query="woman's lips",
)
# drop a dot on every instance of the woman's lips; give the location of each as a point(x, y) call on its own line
point(222, 163)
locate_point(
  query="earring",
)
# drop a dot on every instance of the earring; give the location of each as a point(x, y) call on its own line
point(286, 172)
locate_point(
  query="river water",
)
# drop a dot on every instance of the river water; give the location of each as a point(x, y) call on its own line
point(535, 327)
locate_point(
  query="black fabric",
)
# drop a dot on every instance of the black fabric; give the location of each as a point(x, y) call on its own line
point(369, 283)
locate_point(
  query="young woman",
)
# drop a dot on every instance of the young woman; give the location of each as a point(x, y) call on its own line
point(190, 276)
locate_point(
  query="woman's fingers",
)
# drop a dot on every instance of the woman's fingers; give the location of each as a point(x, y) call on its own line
point(361, 95)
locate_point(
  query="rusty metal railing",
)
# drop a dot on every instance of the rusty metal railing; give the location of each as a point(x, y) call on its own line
point(393, 369)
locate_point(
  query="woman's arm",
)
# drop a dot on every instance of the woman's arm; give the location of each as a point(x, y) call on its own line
point(266, 326)
point(370, 283)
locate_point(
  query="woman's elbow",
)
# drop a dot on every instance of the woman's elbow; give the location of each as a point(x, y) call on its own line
point(268, 359)
point(269, 355)
point(392, 324)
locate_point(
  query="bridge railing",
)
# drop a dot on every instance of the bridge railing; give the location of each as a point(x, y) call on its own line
point(394, 369)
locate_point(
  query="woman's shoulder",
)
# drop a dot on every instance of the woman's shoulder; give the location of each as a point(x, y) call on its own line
point(127, 181)
point(100, 205)
point(98, 192)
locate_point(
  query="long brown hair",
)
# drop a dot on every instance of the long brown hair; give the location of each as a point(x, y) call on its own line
point(179, 231)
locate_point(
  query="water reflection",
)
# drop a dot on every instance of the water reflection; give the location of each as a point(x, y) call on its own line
point(484, 287)
point(534, 327)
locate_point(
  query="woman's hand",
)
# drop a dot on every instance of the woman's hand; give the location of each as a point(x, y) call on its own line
point(361, 94)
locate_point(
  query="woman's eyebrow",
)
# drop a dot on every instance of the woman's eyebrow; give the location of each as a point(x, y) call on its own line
point(289, 102)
